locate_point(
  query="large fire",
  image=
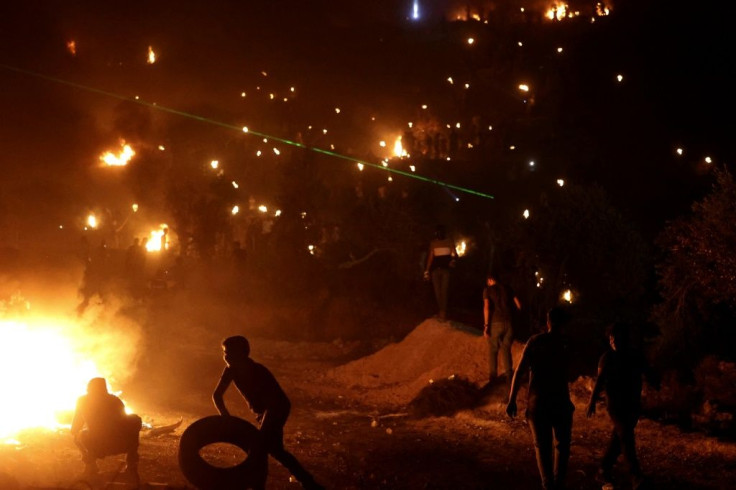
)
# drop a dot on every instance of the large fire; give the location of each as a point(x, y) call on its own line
point(158, 239)
point(45, 367)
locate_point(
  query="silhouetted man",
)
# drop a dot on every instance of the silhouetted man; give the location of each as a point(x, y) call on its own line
point(620, 372)
point(549, 409)
point(440, 259)
point(498, 304)
point(102, 428)
point(265, 398)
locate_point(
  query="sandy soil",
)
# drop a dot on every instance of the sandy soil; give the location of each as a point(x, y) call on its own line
point(350, 424)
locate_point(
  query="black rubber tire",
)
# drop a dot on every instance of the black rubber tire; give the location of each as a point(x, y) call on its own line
point(251, 472)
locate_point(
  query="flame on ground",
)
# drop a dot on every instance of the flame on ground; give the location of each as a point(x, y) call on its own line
point(120, 159)
point(44, 371)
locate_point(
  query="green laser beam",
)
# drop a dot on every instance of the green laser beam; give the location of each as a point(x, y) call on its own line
point(206, 120)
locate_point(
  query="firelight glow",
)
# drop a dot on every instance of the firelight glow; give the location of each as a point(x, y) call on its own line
point(120, 159)
point(38, 394)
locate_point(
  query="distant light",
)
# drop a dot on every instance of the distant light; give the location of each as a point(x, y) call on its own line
point(235, 184)
point(264, 73)
point(411, 124)
point(61, 227)
point(524, 87)
point(620, 78)
point(324, 131)
point(531, 163)
point(360, 167)
point(384, 163)
point(457, 199)
point(457, 125)
point(467, 86)
point(490, 128)
point(449, 79)
point(151, 56)
point(242, 94)
point(382, 144)
point(214, 164)
point(415, 10)
point(559, 50)
point(471, 40)
point(161, 147)
point(245, 129)
point(271, 96)
point(561, 182)
point(265, 140)
point(708, 160)
point(412, 168)
point(512, 147)
point(448, 159)
point(567, 295)
point(92, 221)
point(525, 214)
point(276, 151)
point(337, 110)
point(424, 106)
point(258, 153)
point(520, 44)
point(292, 89)
point(680, 151)
point(135, 208)
point(262, 208)
point(235, 210)
point(277, 213)
point(390, 179)
point(311, 249)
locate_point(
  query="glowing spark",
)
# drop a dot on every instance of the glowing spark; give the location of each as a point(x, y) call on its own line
point(411, 124)
point(462, 248)
point(277, 213)
point(490, 128)
point(708, 160)
point(360, 167)
point(567, 295)
point(151, 56)
point(399, 148)
point(264, 73)
point(680, 151)
point(457, 125)
point(258, 153)
point(235, 184)
point(337, 110)
point(471, 40)
point(135, 208)
point(311, 249)
point(262, 208)
point(390, 179)
point(415, 10)
point(245, 129)
point(276, 151)
point(524, 87)
point(92, 221)
point(525, 214)
point(412, 168)
point(292, 89)
point(71, 46)
point(532, 163)
point(382, 144)
point(235, 210)
point(271, 96)
point(119, 160)
point(521, 44)
point(561, 182)
point(324, 131)
point(619, 78)
point(242, 94)
point(449, 79)
point(424, 106)
point(161, 147)
point(214, 164)
point(467, 85)
point(559, 50)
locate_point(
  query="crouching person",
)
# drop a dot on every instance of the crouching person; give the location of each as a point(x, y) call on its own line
point(102, 428)
point(266, 399)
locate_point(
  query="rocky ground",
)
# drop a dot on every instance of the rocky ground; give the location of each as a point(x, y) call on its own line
point(354, 425)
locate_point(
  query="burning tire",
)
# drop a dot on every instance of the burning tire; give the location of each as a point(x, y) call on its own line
point(251, 472)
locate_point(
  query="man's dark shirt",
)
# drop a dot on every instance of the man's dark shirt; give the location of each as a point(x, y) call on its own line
point(257, 385)
point(102, 413)
point(499, 303)
point(546, 355)
point(621, 376)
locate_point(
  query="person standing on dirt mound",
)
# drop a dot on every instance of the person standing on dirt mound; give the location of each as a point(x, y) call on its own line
point(549, 409)
point(265, 398)
point(620, 372)
point(102, 428)
point(498, 304)
point(440, 259)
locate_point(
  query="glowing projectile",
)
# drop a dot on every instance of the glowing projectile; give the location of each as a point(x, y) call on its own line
point(151, 56)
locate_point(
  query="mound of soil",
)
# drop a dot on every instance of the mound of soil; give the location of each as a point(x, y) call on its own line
point(434, 350)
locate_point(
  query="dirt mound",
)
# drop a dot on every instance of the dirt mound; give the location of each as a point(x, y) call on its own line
point(433, 350)
point(445, 397)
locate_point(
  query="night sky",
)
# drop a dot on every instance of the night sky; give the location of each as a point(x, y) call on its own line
point(378, 67)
